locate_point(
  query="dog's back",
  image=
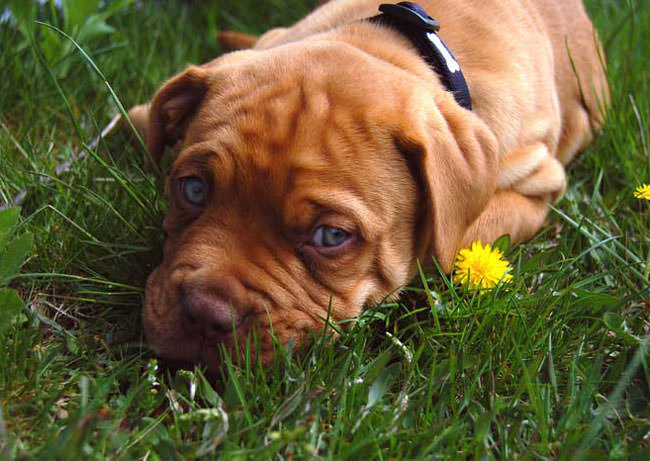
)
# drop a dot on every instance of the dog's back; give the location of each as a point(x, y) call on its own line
point(510, 27)
point(579, 72)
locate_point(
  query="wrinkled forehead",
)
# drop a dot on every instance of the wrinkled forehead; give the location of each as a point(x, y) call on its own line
point(303, 118)
point(293, 124)
point(283, 136)
point(288, 96)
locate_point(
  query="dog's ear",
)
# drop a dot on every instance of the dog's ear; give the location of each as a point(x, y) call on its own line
point(173, 107)
point(453, 155)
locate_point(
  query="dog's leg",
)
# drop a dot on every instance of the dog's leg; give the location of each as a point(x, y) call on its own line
point(232, 40)
point(529, 179)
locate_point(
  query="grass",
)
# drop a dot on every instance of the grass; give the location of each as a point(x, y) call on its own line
point(556, 366)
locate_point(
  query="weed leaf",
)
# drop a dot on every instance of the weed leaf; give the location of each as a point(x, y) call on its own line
point(8, 219)
point(76, 12)
point(13, 257)
point(10, 306)
point(502, 243)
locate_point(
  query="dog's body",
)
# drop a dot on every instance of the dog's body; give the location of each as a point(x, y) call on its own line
point(315, 170)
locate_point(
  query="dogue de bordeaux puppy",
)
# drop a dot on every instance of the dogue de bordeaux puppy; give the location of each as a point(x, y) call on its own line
point(314, 170)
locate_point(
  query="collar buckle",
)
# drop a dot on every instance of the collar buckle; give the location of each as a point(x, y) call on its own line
point(412, 21)
point(412, 14)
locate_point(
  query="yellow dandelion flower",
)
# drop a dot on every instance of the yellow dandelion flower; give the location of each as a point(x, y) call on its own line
point(643, 192)
point(481, 267)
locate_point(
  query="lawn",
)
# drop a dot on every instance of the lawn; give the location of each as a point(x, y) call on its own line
point(554, 365)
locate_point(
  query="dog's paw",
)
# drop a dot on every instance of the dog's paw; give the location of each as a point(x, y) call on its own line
point(532, 172)
point(548, 181)
point(139, 116)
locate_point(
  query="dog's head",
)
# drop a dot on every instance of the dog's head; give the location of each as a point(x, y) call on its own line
point(309, 181)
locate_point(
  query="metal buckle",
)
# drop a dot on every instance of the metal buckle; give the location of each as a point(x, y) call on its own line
point(410, 13)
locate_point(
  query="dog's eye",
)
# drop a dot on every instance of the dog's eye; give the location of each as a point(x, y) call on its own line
point(326, 236)
point(193, 189)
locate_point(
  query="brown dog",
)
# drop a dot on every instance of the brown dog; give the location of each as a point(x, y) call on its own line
point(315, 170)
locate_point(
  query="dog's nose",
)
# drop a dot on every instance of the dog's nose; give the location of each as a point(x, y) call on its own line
point(207, 315)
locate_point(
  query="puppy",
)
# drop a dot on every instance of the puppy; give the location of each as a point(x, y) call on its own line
point(313, 171)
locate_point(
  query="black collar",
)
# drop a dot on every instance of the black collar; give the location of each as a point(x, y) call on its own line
point(413, 22)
